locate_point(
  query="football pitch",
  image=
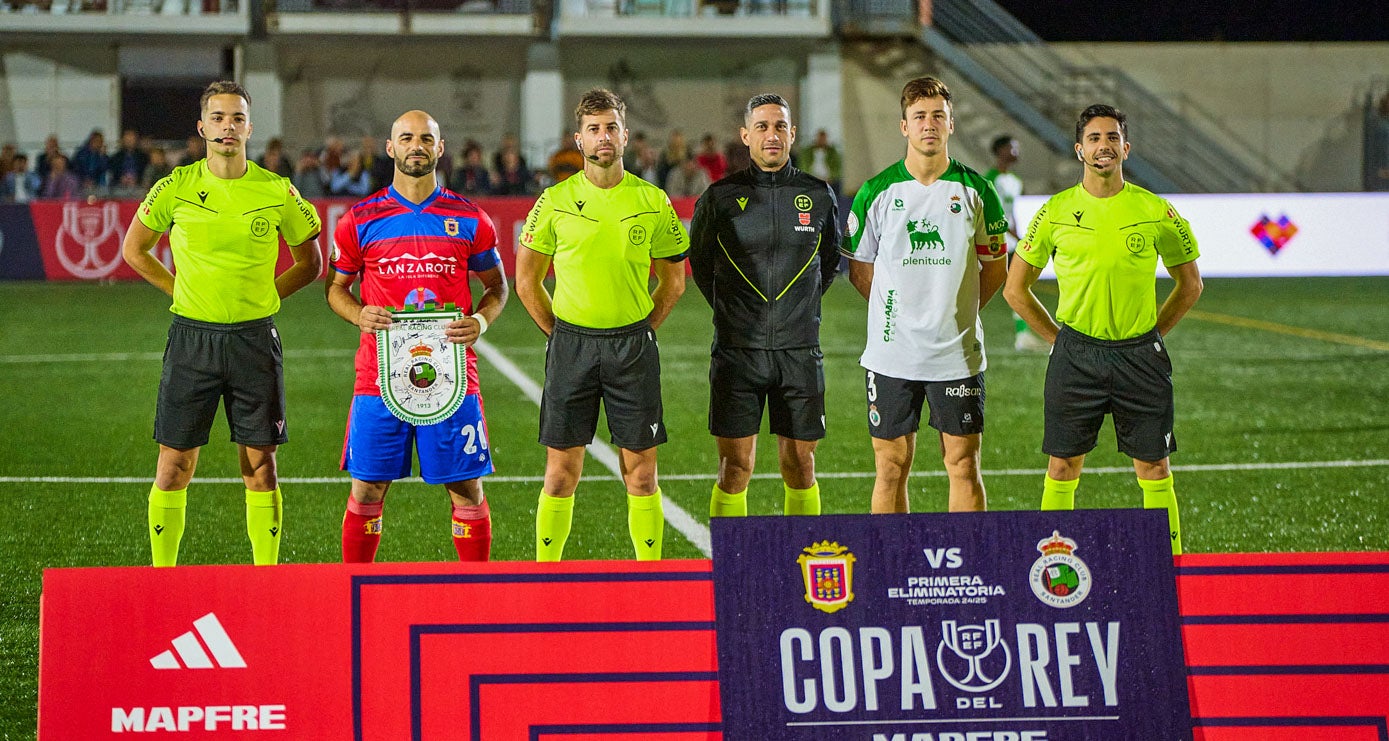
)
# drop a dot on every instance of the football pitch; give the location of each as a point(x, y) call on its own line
point(1282, 427)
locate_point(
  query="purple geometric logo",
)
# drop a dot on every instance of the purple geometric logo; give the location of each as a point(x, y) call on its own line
point(1273, 235)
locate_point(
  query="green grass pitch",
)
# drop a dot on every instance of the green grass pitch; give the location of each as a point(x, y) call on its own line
point(1282, 422)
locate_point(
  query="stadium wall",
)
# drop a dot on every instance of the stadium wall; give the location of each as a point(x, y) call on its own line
point(1294, 104)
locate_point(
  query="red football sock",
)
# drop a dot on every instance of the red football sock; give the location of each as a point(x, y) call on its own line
point(361, 531)
point(472, 532)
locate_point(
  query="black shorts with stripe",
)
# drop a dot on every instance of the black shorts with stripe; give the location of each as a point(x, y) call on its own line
point(621, 368)
point(205, 363)
point(1131, 380)
point(789, 383)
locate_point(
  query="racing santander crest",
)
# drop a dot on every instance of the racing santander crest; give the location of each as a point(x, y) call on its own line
point(423, 377)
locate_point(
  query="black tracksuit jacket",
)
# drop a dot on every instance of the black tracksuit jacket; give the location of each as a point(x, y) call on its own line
point(763, 247)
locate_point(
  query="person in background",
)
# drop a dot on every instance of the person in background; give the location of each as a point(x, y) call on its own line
point(472, 177)
point(353, 179)
point(61, 183)
point(711, 159)
point(689, 179)
point(513, 179)
point(308, 175)
point(129, 162)
point(822, 159)
point(1009, 187)
point(157, 169)
point(90, 163)
point(20, 185)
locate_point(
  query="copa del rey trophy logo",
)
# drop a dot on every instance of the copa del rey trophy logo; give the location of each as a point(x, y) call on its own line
point(828, 571)
point(89, 241)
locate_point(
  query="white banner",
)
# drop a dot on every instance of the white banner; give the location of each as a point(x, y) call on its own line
point(1277, 234)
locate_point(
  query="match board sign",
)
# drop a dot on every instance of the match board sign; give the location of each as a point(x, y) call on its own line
point(1012, 626)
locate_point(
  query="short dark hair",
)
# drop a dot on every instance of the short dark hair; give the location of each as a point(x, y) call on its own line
point(761, 99)
point(925, 87)
point(597, 101)
point(1100, 110)
point(1001, 142)
point(223, 87)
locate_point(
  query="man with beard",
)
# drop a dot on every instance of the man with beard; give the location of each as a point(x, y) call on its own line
point(763, 272)
point(1104, 238)
point(603, 230)
point(414, 244)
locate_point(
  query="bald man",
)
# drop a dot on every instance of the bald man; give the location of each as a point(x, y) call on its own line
point(413, 243)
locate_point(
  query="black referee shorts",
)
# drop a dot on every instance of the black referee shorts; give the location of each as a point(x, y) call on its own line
point(790, 383)
point(1088, 378)
point(206, 363)
point(620, 367)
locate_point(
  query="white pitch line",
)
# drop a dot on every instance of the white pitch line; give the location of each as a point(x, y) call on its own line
point(693, 530)
point(1273, 466)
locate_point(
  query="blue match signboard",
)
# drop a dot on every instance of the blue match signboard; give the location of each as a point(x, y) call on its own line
point(1007, 626)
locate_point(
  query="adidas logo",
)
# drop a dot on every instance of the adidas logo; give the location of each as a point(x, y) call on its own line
point(190, 650)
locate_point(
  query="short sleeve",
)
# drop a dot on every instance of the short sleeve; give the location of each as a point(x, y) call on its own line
point(538, 233)
point(1036, 246)
point(670, 241)
point(860, 233)
point(299, 223)
point(1176, 245)
point(991, 227)
point(156, 212)
point(483, 255)
point(346, 253)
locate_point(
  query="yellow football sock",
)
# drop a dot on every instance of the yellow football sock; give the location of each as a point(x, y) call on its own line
point(264, 525)
point(723, 504)
point(1160, 494)
point(646, 522)
point(1059, 494)
point(167, 510)
point(553, 517)
point(803, 501)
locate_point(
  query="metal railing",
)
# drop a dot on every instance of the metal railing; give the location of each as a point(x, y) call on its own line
point(1180, 151)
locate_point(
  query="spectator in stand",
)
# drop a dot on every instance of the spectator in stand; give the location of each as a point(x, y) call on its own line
point(331, 158)
point(378, 166)
point(513, 179)
point(676, 152)
point(711, 159)
point(472, 178)
point(7, 155)
point(19, 185)
point(512, 145)
point(158, 168)
point(194, 149)
point(688, 179)
point(736, 154)
point(308, 176)
point(90, 162)
point(637, 147)
point(61, 182)
point(353, 179)
point(566, 161)
point(274, 158)
point(822, 160)
point(41, 164)
point(648, 166)
point(128, 163)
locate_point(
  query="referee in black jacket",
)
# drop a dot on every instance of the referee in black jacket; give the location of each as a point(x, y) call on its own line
point(764, 246)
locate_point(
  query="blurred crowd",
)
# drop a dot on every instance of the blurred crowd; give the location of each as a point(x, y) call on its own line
point(337, 170)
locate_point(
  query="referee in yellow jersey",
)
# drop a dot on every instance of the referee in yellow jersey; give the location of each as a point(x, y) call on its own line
point(1104, 238)
point(603, 230)
point(225, 216)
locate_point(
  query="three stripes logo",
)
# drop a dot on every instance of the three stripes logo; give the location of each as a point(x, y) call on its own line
point(190, 650)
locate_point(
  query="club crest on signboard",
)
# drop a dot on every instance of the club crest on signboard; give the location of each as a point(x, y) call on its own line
point(828, 572)
point(1058, 578)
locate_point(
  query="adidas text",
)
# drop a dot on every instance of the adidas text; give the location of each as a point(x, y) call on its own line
point(187, 718)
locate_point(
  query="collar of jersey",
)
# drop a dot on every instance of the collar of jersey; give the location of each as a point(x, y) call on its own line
point(776, 177)
point(406, 202)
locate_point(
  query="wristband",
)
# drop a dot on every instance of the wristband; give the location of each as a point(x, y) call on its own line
point(481, 321)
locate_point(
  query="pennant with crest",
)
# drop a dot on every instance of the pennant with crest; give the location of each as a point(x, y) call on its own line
point(423, 376)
